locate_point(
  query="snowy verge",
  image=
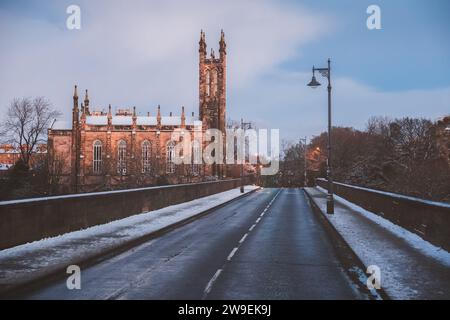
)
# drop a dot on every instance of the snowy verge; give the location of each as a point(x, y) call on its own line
point(411, 238)
point(411, 267)
point(31, 261)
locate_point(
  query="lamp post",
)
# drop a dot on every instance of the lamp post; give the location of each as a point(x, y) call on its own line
point(304, 154)
point(326, 72)
point(244, 126)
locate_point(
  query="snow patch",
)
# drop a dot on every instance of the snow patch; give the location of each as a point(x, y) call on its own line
point(411, 238)
point(29, 261)
point(146, 121)
point(122, 120)
point(97, 120)
point(61, 125)
point(171, 121)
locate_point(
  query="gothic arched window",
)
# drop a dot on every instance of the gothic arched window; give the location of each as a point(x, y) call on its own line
point(208, 82)
point(97, 157)
point(213, 80)
point(146, 156)
point(122, 157)
point(170, 154)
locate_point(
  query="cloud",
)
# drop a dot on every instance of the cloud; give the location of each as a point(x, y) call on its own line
point(146, 53)
point(298, 110)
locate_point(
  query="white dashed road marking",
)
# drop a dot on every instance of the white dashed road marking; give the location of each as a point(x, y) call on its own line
point(230, 256)
point(211, 282)
point(232, 253)
point(243, 238)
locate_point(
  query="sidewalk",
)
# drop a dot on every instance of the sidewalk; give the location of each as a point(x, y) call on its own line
point(32, 261)
point(411, 268)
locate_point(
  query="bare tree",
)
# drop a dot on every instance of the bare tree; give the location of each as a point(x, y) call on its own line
point(26, 124)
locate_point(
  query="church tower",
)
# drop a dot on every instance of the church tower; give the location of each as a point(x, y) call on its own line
point(212, 85)
point(212, 91)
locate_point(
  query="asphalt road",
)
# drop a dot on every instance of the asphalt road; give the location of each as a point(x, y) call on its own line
point(268, 245)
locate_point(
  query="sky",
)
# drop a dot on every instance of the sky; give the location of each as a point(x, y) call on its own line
point(145, 53)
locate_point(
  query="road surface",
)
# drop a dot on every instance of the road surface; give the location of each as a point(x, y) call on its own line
point(268, 245)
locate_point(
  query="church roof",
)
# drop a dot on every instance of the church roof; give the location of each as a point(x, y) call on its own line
point(97, 120)
point(171, 121)
point(122, 120)
point(146, 121)
point(102, 120)
point(61, 125)
point(192, 121)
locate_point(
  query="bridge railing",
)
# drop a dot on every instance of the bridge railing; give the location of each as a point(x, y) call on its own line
point(28, 220)
point(429, 219)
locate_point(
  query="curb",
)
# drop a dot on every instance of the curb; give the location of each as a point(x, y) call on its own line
point(15, 291)
point(346, 253)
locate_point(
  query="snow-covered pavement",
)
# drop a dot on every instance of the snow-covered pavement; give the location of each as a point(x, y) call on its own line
point(34, 260)
point(411, 268)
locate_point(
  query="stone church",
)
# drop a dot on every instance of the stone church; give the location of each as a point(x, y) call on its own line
point(102, 150)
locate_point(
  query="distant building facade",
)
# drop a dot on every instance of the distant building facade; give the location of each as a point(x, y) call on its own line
point(9, 155)
point(102, 150)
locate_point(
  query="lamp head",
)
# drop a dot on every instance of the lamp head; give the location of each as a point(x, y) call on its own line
point(313, 83)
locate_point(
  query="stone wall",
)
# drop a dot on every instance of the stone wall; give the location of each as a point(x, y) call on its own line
point(29, 220)
point(430, 220)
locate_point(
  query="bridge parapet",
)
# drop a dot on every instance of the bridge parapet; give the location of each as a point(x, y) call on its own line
point(28, 220)
point(429, 219)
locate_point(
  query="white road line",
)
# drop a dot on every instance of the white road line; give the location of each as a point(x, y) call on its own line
point(232, 254)
point(243, 238)
point(211, 282)
point(265, 210)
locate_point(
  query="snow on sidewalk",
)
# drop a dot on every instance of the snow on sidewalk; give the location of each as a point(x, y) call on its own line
point(411, 268)
point(33, 260)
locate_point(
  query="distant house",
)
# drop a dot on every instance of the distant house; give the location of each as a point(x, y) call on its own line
point(9, 155)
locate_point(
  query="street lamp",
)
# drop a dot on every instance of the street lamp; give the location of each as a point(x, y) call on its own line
point(326, 72)
point(244, 126)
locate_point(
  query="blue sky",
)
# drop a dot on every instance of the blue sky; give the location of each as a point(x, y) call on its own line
point(410, 52)
point(144, 53)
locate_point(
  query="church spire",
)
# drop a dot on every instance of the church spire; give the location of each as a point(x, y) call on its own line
point(86, 102)
point(134, 117)
point(86, 99)
point(202, 44)
point(222, 44)
point(75, 110)
point(75, 99)
point(183, 117)
point(109, 117)
point(158, 116)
